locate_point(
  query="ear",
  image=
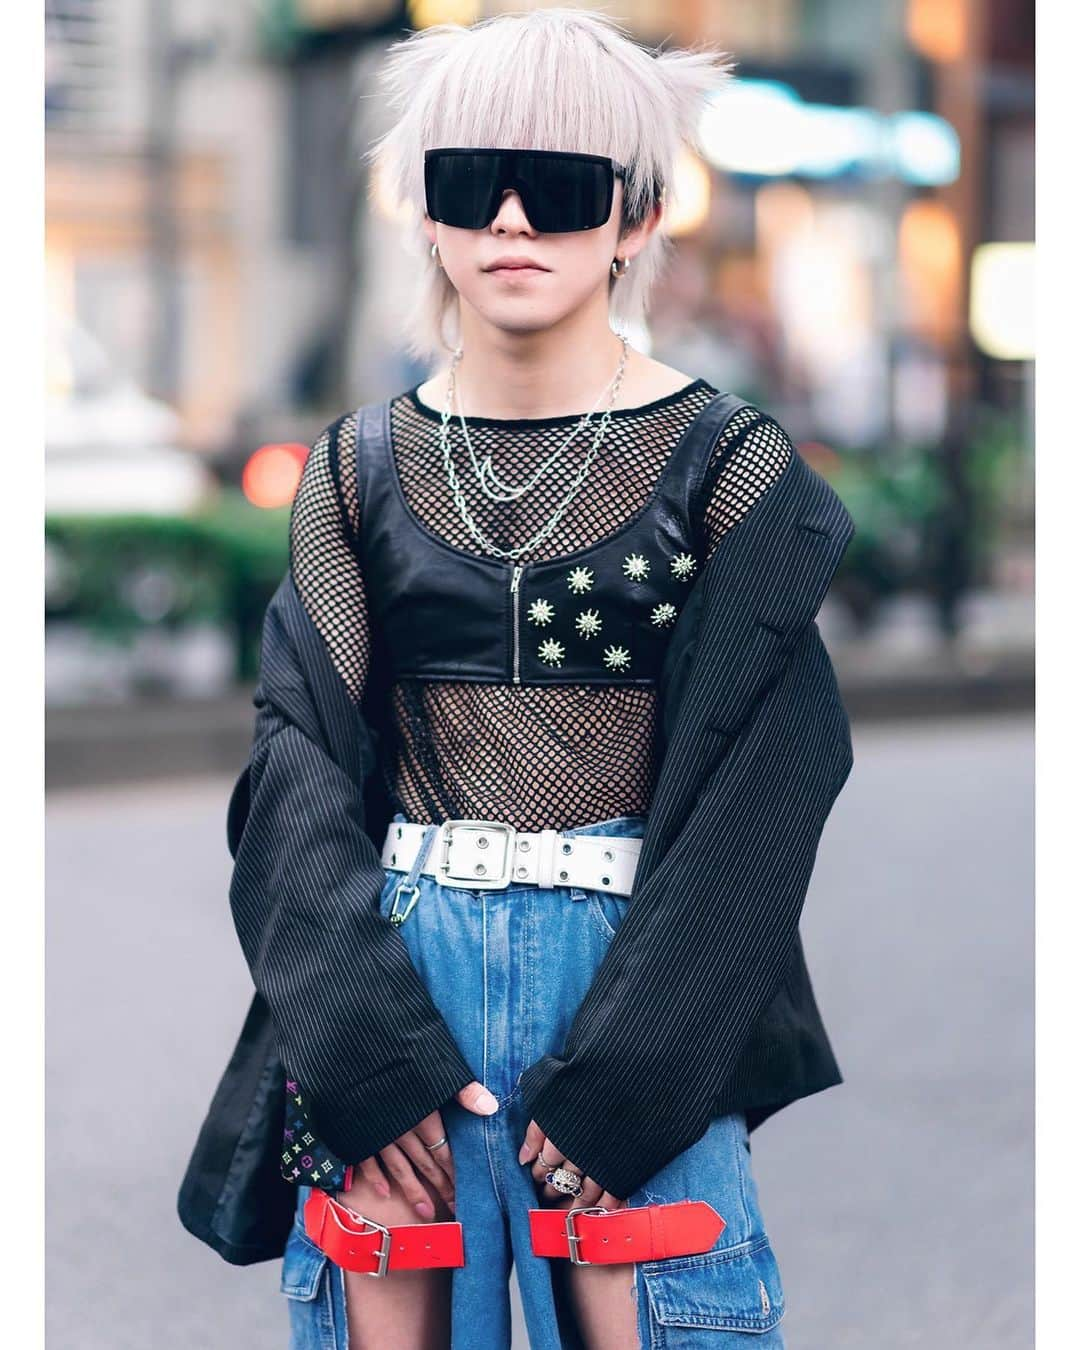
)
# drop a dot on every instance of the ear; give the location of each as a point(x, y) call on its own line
point(638, 235)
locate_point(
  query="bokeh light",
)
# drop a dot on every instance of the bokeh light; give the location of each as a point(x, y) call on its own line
point(272, 474)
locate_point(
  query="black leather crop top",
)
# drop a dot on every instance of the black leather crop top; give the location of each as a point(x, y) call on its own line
point(598, 615)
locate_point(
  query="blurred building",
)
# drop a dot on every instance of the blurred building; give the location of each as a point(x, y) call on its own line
point(177, 230)
point(207, 220)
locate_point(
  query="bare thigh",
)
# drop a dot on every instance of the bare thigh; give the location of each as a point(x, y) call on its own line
point(408, 1309)
point(602, 1301)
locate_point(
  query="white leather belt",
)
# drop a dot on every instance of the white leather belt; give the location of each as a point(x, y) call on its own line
point(491, 855)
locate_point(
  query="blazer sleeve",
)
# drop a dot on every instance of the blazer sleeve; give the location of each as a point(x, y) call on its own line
point(704, 944)
point(354, 1022)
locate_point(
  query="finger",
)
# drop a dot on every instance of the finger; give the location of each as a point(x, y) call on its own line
point(533, 1142)
point(412, 1146)
point(401, 1169)
point(552, 1158)
point(590, 1192)
point(368, 1182)
point(593, 1195)
point(552, 1190)
point(475, 1097)
point(430, 1129)
point(370, 1172)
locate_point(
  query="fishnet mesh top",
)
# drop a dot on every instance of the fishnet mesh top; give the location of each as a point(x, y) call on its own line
point(540, 757)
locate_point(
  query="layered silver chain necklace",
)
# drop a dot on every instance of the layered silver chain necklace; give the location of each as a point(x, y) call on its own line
point(494, 488)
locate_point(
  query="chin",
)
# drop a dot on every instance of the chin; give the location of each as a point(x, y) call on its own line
point(520, 318)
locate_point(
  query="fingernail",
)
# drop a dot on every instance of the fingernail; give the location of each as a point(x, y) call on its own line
point(425, 1209)
point(524, 1153)
point(486, 1102)
point(383, 1188)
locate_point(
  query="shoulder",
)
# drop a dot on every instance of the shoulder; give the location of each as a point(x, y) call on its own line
point(753, 436)
point(332, 448)
point(332, 433)
point(747, 460)
point(326, 491)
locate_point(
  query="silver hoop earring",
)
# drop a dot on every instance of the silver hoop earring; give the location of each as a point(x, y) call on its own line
point(435, 255)
point(615, 272)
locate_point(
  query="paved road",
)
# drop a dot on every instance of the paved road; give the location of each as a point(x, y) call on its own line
point(899, 1204)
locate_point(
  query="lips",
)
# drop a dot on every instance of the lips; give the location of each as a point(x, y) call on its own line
point(505, 265)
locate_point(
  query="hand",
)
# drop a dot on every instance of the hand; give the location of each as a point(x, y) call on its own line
point(410, 1163)
point(592, 1193)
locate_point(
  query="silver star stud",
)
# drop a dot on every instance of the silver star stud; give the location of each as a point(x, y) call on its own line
point(588, 622)
point(663, 614)
point(580, 579)
point(636, 566)
point(540, 611)
point(616, 658)
point(552, 652)
point(682, 565)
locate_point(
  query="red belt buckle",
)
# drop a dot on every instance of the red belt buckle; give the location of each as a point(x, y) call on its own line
point(341, 1232)
point(593, 1236)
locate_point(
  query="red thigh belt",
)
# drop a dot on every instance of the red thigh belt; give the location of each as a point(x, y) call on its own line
point(590, 1235)
point(360, 1244)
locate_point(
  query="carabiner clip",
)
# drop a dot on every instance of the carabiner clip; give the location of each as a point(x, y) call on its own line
point(396, 918)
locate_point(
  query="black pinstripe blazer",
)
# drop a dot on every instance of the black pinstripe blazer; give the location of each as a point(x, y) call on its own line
point(702, 1004)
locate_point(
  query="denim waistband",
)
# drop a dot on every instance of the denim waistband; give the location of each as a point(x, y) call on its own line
point(632, 826)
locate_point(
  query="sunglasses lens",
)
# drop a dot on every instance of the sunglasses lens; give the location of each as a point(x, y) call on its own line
point(560, 194)
point(460, 189)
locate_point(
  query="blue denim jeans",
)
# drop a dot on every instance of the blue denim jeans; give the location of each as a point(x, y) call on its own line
point(508, 970)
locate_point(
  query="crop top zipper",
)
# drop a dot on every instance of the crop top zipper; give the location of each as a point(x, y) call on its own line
point(515, 590)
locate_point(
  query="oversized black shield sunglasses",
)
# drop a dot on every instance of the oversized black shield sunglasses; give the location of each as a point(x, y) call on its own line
point(560, 190)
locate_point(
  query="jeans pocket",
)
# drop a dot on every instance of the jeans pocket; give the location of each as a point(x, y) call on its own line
point(728, 1299)
point(607, 911)
point(302, 1265)
point(314, 1290)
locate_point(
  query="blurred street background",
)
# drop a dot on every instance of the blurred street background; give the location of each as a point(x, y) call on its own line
point(855, 254)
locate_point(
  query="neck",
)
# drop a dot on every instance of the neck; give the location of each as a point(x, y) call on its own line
point(550, 373)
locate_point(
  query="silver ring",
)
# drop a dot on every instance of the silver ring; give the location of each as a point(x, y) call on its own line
point(541, 1159)
point(437, 1144)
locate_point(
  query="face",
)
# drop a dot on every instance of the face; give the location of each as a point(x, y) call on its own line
point(566, 271)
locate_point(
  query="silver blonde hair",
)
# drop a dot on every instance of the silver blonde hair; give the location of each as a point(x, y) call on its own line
point(552, 79)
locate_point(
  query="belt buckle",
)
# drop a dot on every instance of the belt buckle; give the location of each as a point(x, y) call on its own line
point(573, 1238)
point(383, 1253)
point(484, 827)
point(384, 1246)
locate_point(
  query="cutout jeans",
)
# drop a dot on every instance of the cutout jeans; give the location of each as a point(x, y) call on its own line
point(508, 970)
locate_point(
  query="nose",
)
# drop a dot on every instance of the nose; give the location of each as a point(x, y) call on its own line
point(511, 214)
